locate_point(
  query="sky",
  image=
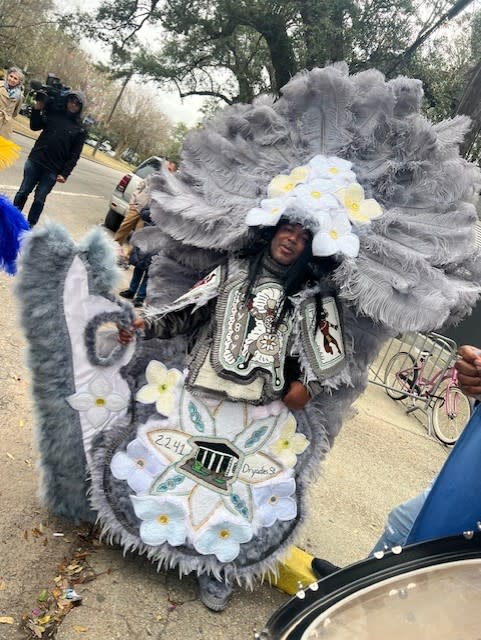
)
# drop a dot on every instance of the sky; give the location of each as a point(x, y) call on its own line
point(186, 110)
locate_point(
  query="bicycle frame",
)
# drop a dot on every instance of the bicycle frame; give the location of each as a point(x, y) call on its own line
point(423, 387)
point(418, 386)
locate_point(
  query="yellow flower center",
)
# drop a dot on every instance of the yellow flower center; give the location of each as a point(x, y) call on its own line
point(286, 443)
point(289, 186)
point(140, 463)
point(163, 387)
point(354, 206)
point(333, 234)
point(275, 210)
point(224, 533)
point(163, 519)
point(100, 402)
point(333, 170)
point(316, 194)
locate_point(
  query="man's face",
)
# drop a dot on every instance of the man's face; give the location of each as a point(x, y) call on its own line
point(289, 243)
point(171, 166)
point(13, 79)
point(73, 104)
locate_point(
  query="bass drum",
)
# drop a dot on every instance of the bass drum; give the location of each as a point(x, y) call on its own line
point(425, 591)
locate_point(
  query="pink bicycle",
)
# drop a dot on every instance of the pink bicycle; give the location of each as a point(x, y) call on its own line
point(449, 407)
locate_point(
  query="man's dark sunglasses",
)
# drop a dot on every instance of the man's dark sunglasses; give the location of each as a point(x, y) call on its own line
point(74, 100)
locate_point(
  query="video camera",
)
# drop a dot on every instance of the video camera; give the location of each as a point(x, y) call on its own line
point(53, 93)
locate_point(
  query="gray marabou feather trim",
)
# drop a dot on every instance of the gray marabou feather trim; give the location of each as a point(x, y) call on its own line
point(47, 255)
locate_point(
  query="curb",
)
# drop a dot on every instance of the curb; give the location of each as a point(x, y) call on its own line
point(294, 571)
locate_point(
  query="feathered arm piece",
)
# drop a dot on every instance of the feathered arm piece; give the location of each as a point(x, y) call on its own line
point(12, 227)
point(9, 152)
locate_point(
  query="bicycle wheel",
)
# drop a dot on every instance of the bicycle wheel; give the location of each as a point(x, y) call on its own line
point(449, 420)
point(400, 375)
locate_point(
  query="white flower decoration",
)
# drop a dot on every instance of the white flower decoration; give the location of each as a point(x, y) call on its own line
point(274, 502)
point(328, 194)
point(284, 184)
point(337, 170)
point(160, 388)
point(162, 521)
point(99, 401)
point(335, 236)
point(358, 208)
point(290, 444)
point(317, 195)
point(138, 465)
point(224, 540)
point(269, 213)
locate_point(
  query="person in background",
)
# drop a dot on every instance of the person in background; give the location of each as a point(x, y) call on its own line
point(55, 152)
point(132, 220)
point(401, 518)
point(11, 98)
point(171, 165)
point(137, 290)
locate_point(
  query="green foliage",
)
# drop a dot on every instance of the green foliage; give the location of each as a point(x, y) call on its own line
point(171, 148)
point(234, 50)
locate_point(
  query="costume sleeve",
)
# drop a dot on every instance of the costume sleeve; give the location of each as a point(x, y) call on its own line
point(74, 154)
point(37, 120)
point(177, 322)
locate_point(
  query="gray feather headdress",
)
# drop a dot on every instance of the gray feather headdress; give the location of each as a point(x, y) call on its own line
point(415, 266)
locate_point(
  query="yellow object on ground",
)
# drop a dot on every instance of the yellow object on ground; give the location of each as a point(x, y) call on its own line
point(293, 569)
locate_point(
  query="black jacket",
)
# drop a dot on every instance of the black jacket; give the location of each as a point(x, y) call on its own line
point(59, 145)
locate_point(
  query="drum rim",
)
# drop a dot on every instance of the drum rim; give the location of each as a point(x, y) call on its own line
point(292, 619)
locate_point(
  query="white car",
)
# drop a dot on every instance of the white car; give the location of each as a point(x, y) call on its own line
point(122, 193)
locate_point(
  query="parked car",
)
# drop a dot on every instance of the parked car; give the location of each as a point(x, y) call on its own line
point(119, 201)
point(91, 142)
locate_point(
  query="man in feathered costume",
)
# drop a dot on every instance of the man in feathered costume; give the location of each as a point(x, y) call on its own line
point(296, 238)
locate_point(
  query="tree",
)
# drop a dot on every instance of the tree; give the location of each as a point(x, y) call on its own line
point(172, 146)
point(138, 124)
point(21, 26)
point(235, 49)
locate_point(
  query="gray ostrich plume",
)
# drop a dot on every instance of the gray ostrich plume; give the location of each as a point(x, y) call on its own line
point(417, 267)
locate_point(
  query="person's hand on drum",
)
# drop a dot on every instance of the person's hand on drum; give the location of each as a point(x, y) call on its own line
point(126, 334)
point(469, 370)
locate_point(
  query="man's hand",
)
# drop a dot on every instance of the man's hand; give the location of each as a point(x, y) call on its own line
point(61, 179)
point(469, 370)
point(126, 334)
point(297, 396)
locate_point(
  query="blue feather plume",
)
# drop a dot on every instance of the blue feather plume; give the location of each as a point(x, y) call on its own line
point(12, 226)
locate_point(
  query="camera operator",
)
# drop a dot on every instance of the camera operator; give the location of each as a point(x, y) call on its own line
point(55, 152)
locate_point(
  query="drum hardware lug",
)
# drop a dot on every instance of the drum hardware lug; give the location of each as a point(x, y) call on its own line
point(301, 594)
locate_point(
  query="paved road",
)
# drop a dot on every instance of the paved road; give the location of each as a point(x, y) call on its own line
point(85, 194)
point(381, 457)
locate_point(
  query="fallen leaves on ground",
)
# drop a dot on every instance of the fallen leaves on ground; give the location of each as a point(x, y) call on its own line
point(53, 603)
